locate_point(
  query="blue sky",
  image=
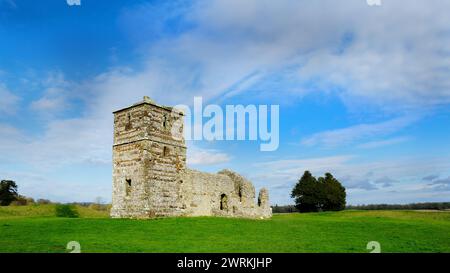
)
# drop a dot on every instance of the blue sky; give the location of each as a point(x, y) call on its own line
point(364, 91)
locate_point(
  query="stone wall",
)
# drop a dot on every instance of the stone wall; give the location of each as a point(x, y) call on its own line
point(150, 177)
point(223, 194)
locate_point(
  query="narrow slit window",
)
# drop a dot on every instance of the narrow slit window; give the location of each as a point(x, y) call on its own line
point(127, 186)
point(165, 151)
point(128, 125)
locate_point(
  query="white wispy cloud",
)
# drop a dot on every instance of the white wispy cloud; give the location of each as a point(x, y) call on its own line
point(11, 141)
point(56, 94)
point(63, 143)
point(198, 156)
point(48, 104)
point(8, 101)
point(384, 62)
point(430, 177)
point(384, 142)
point(360, 132)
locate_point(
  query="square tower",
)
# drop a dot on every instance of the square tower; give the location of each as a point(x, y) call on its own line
point(149, 153)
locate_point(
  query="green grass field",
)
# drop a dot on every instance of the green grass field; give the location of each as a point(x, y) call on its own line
point(35, 229)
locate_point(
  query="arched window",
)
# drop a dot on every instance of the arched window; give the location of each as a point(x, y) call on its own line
point(224, 202)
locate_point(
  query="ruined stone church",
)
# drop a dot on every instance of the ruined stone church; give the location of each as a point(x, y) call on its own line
point(150, 177)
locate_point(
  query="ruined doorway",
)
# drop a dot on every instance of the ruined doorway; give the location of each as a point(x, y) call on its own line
point(224, 202)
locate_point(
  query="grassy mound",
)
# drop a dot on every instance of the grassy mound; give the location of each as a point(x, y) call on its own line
point(47, 211)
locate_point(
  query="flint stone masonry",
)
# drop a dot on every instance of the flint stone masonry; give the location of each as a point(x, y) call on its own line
point(150, 177)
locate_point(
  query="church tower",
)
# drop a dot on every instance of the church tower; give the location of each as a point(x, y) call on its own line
point(149, 154)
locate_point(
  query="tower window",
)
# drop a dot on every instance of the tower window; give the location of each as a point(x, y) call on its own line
point(240, 194)
point(128, 125)
point(127, 186)
point(165, 121)
point(165, 151)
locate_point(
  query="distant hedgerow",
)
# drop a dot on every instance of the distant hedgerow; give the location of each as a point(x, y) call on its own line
point(68, 211)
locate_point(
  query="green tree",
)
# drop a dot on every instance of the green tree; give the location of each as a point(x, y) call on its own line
point(8, 192)
point(307, 193)
point(334, 194)
point(322, 194)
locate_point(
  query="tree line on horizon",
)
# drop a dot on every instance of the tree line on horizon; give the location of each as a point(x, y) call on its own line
point(412, 206)
point(9, 196)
